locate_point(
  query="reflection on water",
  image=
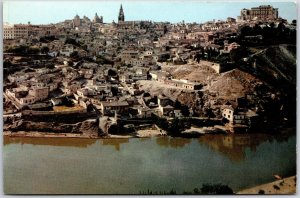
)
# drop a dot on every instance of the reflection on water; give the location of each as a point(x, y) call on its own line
point(78, 166)
point(114, 142)
point(234, 146)
point(70, 142)
point(173, 142)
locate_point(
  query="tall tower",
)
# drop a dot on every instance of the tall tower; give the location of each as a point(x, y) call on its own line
point(98, 19)
point(121, 17)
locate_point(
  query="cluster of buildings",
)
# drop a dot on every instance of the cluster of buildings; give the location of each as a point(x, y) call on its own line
point(100, 64)
point(18, 31)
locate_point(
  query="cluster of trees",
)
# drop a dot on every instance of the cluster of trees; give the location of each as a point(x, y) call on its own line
point(236, 55)
point(23, 49)
point(47, 39)
point(72, 42)
point(271, 34)
point(175, 127)
point(209, 54)
point(183, 108)
point(206, 189)
point(103, 60)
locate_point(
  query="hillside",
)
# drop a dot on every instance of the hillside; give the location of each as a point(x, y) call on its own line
point(275, 65)
point(269, 76)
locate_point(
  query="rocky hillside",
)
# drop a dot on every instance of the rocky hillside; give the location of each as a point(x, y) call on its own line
point(275, 65)
point(269, 76)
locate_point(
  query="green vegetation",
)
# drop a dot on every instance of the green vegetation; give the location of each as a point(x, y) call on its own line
point(23, 49)
point(47, 39)
point(218, 189)
point(162, 123)
point(102, 60)
point(175, 127)
point(237, 54)
point(261, 192)
point(44, 50)
point(271, 35)
point(74, 54)
point(206, 189)
point(72, 42)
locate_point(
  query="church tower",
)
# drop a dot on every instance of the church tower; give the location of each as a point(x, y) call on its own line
point(121, 17)
point(97, 19)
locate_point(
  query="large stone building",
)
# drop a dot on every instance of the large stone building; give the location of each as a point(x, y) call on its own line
point(25, 30)
point(8, 31)
point(76, 21)
point(263, 12)
point(98, 19)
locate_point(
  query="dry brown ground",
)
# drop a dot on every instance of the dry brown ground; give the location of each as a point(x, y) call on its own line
point(285, 186)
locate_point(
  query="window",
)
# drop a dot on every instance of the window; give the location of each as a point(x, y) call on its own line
point(228, 116)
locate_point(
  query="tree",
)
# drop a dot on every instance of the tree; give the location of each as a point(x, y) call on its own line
point(70, 63)
point(246, 31)
point(22, 49)
point(165, 29)
point(112, 72)
point(45, 50)
point(85, 47)
point(197, 57)
point(72, 41)
point(33, 50)
point(218, 189)
point(67, 102)
point(185, 110)
point(237, 54)
point(74, 54)
point(162, 123)
point(176, 126)
point(177, 104)
point(114, 91)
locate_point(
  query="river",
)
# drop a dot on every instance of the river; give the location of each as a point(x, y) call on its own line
point(131, 166)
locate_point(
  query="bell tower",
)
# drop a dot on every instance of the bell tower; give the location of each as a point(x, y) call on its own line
point(121, 17)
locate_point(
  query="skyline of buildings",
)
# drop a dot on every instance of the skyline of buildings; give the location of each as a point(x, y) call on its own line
point(199, 12)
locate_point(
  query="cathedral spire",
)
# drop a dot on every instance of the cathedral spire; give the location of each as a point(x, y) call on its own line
point(121, 17)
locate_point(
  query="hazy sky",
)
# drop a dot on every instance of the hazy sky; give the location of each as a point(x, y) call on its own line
point(38, 12)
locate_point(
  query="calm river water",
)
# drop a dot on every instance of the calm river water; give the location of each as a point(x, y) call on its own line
point(129, 166)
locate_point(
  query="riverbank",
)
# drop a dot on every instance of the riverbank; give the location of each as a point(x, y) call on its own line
point(283, 186)
point(45, 134)
point(147, 133)
point(88, 129)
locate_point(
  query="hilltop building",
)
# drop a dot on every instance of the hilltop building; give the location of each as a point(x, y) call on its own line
point(76, 21)
point(263, 12)
point(26, 30)
point(98, 19)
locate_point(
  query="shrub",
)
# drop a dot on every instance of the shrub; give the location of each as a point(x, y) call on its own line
point(218, 189)
point(261, 192)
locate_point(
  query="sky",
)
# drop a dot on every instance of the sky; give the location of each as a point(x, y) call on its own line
point(45, 12)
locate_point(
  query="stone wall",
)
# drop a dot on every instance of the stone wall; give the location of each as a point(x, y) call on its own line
point(62, 117)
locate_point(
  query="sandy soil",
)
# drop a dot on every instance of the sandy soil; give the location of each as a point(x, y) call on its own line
point(283, 186)
point(149, 133)
point(43, 134)
point(206, 130)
